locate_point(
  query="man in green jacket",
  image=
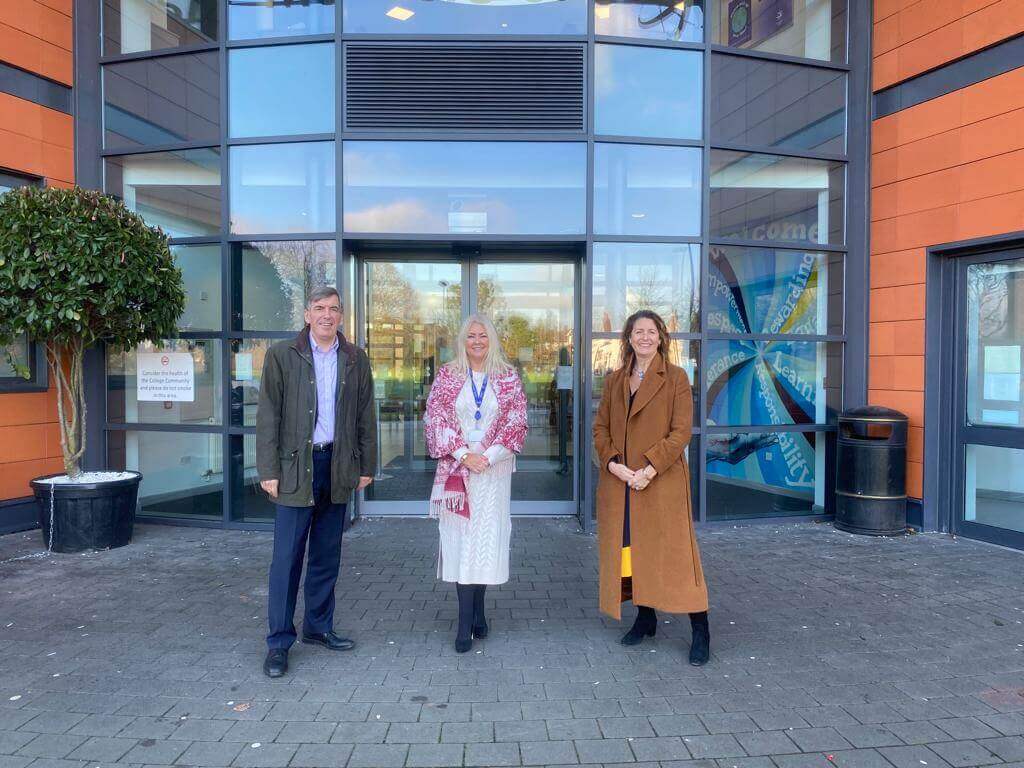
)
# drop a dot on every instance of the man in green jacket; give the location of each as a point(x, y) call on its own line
point(316, 443)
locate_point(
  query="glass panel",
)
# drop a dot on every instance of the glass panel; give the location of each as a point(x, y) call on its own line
point(533, 307)
point(767, 290)
point(772, 382)
point(164, 100)
point(182, 473)
point(176, 191)
point(814, 29)
point(248, 501)
point(248, 19)
point(281, 75)
point(995, 339)
point(275, 279)
point(765, 474)
point(131, 26)
point(465, 187)
point(665, 20)
point(277, 188)
point(646, 190)
point(768, 197)
point(413, 312)
point(473, 17)
point(185, 375)
point(606, 356)
point(247, 356)
point(17, 352)
point(994, 487)
point(770, 104)
point(642, 91)
point(201, 271)
point(664, 277)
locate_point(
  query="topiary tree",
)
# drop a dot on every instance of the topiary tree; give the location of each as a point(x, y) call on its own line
point(78, 268)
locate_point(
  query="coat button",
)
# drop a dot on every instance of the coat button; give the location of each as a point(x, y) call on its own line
point(310, 410)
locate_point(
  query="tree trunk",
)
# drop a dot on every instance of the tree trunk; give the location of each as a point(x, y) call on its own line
point(71, 409)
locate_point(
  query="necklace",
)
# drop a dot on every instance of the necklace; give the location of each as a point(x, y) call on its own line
point(478, 396)
point(639, 372)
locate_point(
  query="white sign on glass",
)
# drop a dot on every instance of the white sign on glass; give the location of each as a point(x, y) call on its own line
point(243, 366)
point(168, 377)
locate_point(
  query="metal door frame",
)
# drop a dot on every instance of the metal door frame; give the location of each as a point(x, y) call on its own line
point(469, 257)
point(964, 434)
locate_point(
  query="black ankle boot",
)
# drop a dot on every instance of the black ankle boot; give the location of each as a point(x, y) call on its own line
point(464, 635)
point(700, 645)
point(646, 625)
point(480, 628)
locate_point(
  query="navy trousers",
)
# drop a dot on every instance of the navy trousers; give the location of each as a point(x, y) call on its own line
point(322, 525)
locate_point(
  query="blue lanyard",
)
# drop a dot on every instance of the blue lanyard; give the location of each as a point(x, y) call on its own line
point(478, 397)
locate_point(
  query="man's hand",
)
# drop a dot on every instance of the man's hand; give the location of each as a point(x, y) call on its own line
point(475, 462)
point(363, 482)
point(621, 471)
point(270, 486)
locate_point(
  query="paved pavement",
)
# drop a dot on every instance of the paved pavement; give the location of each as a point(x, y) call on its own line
point(828, 650)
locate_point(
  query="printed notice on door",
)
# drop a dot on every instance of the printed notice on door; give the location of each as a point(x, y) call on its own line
point(168, 377)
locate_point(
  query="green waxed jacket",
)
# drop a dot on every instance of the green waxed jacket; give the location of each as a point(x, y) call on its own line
point(287, 414)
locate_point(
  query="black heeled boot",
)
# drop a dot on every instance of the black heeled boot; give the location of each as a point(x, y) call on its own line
point(700, 645)
point(480, 628)
point(464, 635)
point(646, 625)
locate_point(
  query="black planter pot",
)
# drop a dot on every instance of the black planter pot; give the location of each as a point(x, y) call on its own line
point(87, 515)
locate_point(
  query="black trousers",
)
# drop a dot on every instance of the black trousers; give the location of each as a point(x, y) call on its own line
point(322, 525)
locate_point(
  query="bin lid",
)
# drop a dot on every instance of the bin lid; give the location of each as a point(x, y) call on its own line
point(872, 413)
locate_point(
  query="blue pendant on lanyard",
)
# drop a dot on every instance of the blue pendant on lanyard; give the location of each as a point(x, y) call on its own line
point(478, 397)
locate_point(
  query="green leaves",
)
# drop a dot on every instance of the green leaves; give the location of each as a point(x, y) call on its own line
point(77, 265)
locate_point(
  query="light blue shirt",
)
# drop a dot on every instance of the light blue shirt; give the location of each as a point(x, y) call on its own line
point(325, 367)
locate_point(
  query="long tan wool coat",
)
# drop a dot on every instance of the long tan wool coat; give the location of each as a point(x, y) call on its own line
point(667, 574)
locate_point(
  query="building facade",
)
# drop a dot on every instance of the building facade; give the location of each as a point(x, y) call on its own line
point(556, 164)
point(947, 219)
point(36, 147)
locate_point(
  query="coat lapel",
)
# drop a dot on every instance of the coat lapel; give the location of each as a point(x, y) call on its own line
point(653, 381)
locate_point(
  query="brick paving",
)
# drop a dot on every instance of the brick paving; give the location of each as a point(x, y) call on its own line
point(828, 650)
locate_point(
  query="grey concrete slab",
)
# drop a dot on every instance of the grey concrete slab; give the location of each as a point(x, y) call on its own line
point(151, 654)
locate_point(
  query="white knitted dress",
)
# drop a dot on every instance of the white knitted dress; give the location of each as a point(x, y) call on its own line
point(475, 551)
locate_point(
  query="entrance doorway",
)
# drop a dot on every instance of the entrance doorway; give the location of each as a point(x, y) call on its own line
point(990, 398)
point(410, 309)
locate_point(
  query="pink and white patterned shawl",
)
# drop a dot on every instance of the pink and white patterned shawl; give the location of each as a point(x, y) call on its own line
point(444, 435)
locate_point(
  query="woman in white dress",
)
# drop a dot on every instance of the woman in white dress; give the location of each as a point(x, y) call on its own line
point(475, 424)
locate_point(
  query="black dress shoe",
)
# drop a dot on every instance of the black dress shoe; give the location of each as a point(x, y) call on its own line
point(329, 640)
point(480, 630)
point(276, 663)
point(463, 644)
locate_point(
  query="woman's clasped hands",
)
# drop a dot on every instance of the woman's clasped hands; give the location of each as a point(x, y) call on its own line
point(637, 480)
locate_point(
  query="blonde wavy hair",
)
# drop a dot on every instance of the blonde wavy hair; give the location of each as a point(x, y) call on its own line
point(495, 364)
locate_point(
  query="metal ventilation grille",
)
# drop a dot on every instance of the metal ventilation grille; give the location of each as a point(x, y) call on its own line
point(472, 87)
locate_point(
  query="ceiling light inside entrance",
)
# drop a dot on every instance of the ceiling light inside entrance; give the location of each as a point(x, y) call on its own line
point(400, 13)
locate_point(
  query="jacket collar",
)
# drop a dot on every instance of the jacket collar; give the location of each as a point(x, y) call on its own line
point(654, 380)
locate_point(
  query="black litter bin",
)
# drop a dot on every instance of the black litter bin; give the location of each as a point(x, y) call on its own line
point(871, 479)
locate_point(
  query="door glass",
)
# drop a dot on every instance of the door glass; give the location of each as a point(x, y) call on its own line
point(413, 311)
point(532, 306)
point(994, 487)
point(995, 337)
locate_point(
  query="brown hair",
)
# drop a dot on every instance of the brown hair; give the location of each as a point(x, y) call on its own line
point(628, 355)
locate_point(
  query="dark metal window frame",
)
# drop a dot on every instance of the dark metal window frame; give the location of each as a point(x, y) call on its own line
point(946, 431)
point(38, 380)
point(854, 339)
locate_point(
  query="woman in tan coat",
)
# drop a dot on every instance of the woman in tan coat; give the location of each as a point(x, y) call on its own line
point(648, 549)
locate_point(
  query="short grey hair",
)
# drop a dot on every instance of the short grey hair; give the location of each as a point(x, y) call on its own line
point(323, 292)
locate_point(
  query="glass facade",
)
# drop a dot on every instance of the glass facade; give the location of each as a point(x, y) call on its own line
point(709, 183)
